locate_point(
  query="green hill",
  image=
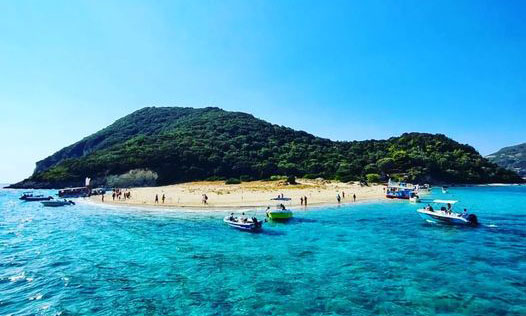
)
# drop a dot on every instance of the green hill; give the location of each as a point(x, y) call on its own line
point(512, 158)
point(183, 144)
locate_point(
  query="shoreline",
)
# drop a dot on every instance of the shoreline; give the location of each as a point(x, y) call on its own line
point(217, 210)
point(249, 195)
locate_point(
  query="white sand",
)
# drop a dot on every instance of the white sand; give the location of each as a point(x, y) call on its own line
point(247, 194)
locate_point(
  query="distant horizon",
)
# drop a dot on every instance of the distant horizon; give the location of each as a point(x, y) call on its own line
point(342, 71)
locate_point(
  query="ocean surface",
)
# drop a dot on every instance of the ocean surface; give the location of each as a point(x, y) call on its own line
point(362, 259)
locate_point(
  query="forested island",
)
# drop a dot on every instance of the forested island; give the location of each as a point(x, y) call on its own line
point(512, 158)
point(166, 145)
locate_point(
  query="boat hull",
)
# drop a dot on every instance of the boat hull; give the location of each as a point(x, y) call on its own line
point(57, 203)
point(36, 199)
point(280, 215)
point(442, 218)
point(249, 226)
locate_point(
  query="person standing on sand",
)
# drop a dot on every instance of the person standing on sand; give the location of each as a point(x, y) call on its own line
point(343, 195)
point(301, 200)
point(157, 199)
point(354, 197)
point(113, 195)
point(103, 198)
point(338, 198)
point(305, 200)
point(163, 198)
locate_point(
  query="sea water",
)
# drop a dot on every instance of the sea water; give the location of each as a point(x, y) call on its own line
point(361, 259)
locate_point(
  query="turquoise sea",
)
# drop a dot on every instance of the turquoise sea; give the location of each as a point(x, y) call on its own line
point(362, 259)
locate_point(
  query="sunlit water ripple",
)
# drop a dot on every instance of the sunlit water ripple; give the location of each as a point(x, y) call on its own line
point(366, 259)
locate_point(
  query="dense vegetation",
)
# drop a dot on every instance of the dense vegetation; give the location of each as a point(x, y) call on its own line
point(512, 158)
point(182, 144)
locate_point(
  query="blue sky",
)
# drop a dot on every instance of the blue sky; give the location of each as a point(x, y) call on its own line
point(348, 70)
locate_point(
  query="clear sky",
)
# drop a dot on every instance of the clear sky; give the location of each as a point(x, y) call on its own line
point(348, 70)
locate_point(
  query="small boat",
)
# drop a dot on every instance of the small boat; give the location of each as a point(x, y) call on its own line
point(74, 192)
point(444, 189)
point(279, 214)
point(243, 223)
point(30, 197)
point(399, 190)
point(393, 193)
point(57, 203)
point(414, 198)
point(445, 214)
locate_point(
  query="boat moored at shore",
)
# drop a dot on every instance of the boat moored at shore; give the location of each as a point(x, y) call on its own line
point(399, 190)
point(30, 197)
point(279, 214)
point(74, 192)
point(57, 203)
point(243, 223)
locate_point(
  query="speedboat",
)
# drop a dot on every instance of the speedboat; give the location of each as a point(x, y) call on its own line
point(57, 203)
point(243, 223)
point(280, 213)
point(29, 197)
point(445, 214)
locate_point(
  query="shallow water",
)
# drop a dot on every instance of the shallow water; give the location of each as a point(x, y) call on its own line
point(364, 259)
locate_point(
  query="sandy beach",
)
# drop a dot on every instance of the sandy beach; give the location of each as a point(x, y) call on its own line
point(247, 194)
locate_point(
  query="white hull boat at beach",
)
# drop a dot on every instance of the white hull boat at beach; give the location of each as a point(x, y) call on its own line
point(57, 203)
point(245, 224)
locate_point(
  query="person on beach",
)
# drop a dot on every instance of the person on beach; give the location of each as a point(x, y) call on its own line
point(113, 195)
point(305, 200)
point(157, 199)
point(103, 198)
point(301, 200)
point(354, 197)
point(338, 198)
point(163, 197)
point(343, 195)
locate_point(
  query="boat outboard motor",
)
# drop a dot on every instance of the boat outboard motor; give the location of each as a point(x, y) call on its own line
point(473, 220)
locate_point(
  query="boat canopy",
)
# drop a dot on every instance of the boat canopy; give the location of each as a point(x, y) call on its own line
point(445, 201)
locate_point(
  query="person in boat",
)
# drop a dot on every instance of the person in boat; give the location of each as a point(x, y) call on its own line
point(282, 206)
point(231, 218)
point(449, 208)
point(429, 208)
point(464, 214)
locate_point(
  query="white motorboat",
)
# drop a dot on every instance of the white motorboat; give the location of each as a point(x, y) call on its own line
point(243, 223)
point(445, 214)
point(57, 203)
